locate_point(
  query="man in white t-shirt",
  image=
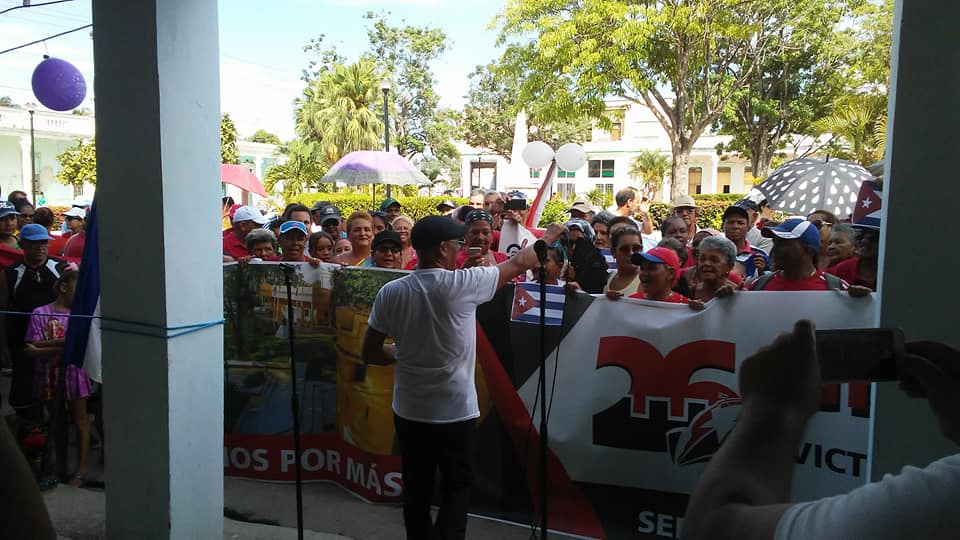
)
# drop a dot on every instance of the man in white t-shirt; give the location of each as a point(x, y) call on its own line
point(744, 491)
point(431, 316)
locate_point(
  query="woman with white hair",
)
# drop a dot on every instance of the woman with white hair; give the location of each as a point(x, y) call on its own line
point(717, 257)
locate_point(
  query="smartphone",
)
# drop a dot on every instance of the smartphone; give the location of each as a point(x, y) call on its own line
point(474, 250)
point(515, 204)
point(862, 354)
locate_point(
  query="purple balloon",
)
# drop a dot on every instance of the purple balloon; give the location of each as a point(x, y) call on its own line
point(58, 84)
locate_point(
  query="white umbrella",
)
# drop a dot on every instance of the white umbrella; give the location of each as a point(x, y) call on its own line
point(375, 167)
point(803, 185)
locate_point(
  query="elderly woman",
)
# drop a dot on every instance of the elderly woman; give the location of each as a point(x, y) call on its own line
point(690, 273)
point(360, 233)
point(476, 249)
point(261, 244)
point(717, 257)
point(626, 281)
point(842, 245)
point(402, 225)
point(861, 270)
point(601, 229)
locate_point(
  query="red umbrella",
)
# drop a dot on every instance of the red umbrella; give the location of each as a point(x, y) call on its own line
point(239, 176)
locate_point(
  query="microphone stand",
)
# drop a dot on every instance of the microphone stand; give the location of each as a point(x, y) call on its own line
point(542, 277)
point(294, 401)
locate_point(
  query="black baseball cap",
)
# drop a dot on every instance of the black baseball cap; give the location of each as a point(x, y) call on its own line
point(384, 237)
point(431, 231)
point(748, 204)
point(328, 213)
point(319, 205)
point(735, 209)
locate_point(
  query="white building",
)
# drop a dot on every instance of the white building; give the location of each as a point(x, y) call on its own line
point(55, 132)
point(608, 161)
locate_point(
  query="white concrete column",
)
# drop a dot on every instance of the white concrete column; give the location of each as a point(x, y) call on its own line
point(920, 144)
point(25, 155)
point(709, 178)
point(736, 178)
point(156, 61)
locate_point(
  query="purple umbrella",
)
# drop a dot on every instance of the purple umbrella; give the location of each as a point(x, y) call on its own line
point(375, 167)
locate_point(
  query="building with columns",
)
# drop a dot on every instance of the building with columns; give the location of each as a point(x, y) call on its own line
point(608, 160)
point(54, 132)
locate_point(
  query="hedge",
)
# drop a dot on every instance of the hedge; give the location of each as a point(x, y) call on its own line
point(711, 206)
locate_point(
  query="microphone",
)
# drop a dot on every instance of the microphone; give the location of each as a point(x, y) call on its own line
point(541, 248)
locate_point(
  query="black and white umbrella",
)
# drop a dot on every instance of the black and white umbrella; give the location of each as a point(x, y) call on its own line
point(803, 185)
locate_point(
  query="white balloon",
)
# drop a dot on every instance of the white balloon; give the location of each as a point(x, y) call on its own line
point(537, 155)
point(571, 157)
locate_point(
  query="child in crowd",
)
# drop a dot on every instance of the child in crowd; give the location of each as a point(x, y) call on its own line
point(659, 272)
point(44, 339)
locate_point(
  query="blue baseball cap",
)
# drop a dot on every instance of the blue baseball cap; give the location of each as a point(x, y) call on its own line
point(795, 228)
point(34, 233)
point(288, 226)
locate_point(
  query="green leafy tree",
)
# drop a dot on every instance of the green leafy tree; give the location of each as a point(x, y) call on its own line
point(264, 136)
point(337, 111)
point(650, 167)
point(599, 198)
point(792, 87)
point(406, 52)
point(490, 115)
point(228, 141)
point(683, 59)
point(78, 165)
point(303, 165)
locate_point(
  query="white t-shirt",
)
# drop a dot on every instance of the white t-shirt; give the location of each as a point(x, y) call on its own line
point(431, 315)
point(915, 504)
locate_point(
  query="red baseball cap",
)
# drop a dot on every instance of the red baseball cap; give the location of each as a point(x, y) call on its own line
point(662, 255)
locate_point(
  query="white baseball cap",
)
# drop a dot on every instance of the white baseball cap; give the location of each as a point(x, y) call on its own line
point(249, 213)
point(76, 212)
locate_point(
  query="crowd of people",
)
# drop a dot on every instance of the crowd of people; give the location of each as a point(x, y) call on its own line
point(41, 269)
point(620, 252)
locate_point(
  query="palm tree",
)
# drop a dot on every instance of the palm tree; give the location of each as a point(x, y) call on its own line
point(650, 167)
point(303, 168)
point(338, 111)
point(858, 126)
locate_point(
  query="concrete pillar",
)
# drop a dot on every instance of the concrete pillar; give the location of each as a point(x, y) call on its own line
point(736, 178)
point(920, 144)
point(158, 193)
point(709, 178)
point(25, 155)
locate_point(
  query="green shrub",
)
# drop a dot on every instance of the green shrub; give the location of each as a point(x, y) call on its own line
point(555, 211)
point(415, 207)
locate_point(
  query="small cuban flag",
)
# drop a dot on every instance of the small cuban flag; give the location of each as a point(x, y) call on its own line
point(869, 205)
point(526, 306)
point(608, 256)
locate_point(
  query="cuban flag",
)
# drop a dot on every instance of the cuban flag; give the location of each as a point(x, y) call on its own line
point(608, 256)
point(82, 346)
point(526, 304)
point(869, 205)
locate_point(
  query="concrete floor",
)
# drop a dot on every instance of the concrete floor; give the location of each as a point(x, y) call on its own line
point(268, 509)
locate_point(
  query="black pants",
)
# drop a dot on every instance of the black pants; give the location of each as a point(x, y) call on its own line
point(424, 447)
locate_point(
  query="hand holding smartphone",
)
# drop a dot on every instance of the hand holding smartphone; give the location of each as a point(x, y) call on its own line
point(858, 355)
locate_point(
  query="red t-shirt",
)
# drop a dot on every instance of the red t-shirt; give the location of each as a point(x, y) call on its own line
point(9, 256)
point(233, 247)
point(55, 246)
point(674, 298)
point(690, 260)
point(497, 256)
point(849, 271)
point(816, 282)
point(74, 247)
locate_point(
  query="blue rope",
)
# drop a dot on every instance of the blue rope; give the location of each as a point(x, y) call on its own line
point(167, 332)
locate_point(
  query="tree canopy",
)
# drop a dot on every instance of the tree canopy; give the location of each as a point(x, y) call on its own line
point(228, 141)
point(490, 114)
point(683, 59)
point(78, 164)
point(264, 136)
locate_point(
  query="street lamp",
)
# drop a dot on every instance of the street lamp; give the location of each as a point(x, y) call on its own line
point(31, 108)
point(385, 85)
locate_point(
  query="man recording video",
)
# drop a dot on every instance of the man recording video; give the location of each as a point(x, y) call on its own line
point(744, 492)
